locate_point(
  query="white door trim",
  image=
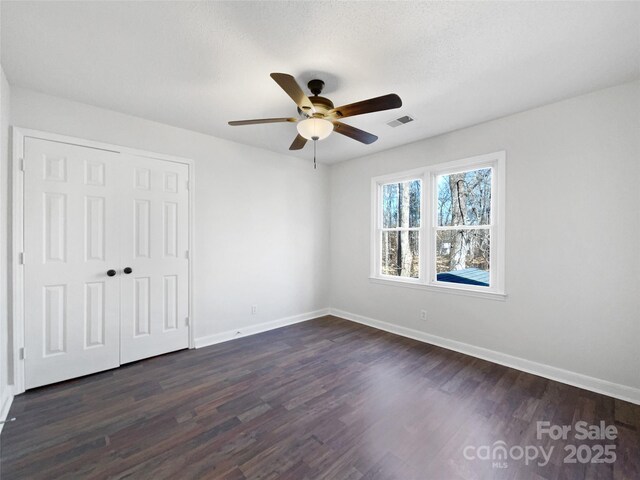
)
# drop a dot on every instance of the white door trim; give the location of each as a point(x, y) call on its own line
point(16, 305)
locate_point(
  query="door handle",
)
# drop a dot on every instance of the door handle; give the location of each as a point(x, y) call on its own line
point(128, 270)
point(111, 273)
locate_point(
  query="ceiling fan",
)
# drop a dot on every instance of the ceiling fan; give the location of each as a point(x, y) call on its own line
point(317, 117)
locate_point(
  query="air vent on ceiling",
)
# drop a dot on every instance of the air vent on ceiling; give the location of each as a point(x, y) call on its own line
point(400, 121)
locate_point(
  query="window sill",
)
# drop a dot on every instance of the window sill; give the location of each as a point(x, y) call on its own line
point(438, 288)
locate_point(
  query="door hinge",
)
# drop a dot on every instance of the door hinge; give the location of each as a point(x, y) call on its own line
point(186, 321)
point(22, 164)
point(188, 184)
point(21, 258)
point(186, 254)
point(23, 353)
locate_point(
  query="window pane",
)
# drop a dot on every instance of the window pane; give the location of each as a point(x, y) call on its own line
point(401, 204)
point(465, 198)
point(400, 253)
point(462, 256)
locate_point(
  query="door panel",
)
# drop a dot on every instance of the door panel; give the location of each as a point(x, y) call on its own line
point(154, 297)
point(70, 231)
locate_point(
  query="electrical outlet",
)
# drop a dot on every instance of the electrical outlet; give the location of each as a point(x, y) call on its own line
point(254, 309)
point(423, 315)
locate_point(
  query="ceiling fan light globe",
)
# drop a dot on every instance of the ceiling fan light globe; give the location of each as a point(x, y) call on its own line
point(312, 128)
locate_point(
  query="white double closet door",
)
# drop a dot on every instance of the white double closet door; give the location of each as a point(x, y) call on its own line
point(91, 216)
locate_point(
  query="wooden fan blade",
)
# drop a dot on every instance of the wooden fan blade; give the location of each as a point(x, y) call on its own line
point(298, 143)
point(353, 132)
point(377, 104)
point(262, 120)
point(291, 88)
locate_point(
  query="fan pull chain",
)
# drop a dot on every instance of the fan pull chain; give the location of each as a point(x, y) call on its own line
point(314, 154)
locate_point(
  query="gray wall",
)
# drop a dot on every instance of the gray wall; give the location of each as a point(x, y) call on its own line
point(6, 363)
point(261, 218)
point(572, 233)
point(272, 231)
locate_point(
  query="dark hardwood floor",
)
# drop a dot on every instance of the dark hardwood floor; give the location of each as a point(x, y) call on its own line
point(325, 399)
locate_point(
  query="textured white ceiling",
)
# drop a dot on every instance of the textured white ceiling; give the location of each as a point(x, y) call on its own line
point(197, 65)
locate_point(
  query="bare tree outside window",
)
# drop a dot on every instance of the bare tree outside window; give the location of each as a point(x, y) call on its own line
point(400, 229)
point(464, 222)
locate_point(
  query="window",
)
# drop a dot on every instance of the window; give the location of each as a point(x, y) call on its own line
point(400, 228)
point(463, 228)
point(442, 226)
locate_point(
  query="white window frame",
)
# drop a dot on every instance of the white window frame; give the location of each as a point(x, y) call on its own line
point(427, 278)
point(380, 229)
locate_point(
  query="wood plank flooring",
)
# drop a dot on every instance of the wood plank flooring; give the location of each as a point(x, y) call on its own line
point(324, 399)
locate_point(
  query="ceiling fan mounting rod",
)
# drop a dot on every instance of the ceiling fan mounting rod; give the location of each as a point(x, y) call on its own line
point(315, 86)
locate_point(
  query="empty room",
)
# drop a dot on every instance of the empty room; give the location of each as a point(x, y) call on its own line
point(319, 240)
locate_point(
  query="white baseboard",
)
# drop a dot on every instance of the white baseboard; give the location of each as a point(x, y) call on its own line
point(622, 392)
point(5, 405)
point(258, 328)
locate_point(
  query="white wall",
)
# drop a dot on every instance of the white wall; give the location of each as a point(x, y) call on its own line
point(261, 219)
point(572, 242)
point(5, 363)
point(573, 225)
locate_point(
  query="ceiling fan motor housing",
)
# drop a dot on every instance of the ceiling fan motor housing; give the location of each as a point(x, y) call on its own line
point(321, 104)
